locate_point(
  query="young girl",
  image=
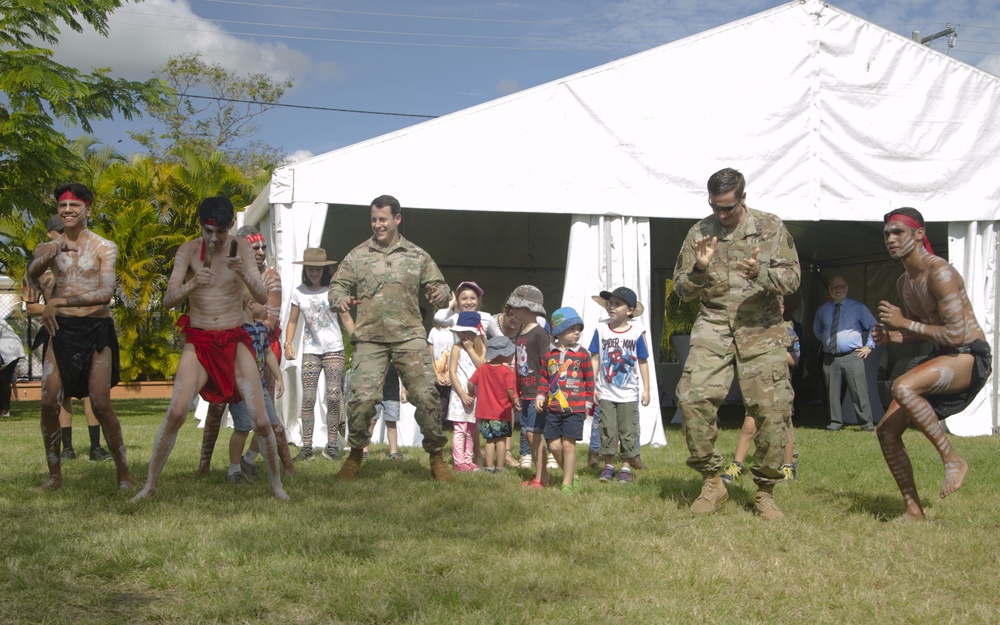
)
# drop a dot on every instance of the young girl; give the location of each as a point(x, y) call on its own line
point(322, 348)
point(466, 355)
point(467, 297)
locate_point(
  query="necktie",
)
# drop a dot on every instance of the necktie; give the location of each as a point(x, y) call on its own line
point(832, 343)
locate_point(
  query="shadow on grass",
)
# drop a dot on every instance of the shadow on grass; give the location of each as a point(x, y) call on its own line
point(880, 507)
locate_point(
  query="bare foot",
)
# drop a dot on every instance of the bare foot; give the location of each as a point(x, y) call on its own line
point(279, 494)
point(126, 483)
point(201, 472)
point(289, 470)
point(908, 517)
point(145, 493)
point(53, 484)
point(954, 476)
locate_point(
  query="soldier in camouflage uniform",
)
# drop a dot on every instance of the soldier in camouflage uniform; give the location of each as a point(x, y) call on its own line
point(383, 277)
point(740, 262)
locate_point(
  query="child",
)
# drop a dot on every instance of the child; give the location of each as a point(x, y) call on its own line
point(439, 341)
point(525, 304)
point(735, 468)
point(322, 348)
point(494, 383)
point(619, 350)
point(565, 392)
point(467, 297)
point(466, 355)
point(393, 394)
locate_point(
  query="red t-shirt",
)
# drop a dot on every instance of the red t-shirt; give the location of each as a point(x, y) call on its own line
point(492, 382)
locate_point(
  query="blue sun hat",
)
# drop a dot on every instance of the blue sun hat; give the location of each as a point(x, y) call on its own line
point(563, 319)
point(469, 321)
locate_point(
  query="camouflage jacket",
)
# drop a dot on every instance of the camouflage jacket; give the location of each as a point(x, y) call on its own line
point(734, 308)
point(388, 282)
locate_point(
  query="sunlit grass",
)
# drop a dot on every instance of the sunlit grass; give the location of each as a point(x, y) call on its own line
point(395, 547)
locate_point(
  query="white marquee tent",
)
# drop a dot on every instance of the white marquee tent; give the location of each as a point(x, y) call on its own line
point(830, 117)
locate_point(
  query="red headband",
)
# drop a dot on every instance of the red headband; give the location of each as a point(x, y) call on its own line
point(68, 195)
point(910, 222)
point(255, 237)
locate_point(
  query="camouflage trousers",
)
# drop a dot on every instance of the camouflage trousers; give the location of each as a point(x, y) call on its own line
point(416, 374)
point(767, 394)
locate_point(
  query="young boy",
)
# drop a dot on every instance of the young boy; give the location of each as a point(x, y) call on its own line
point(218, 359)
point(525, 304)
point(494, 384)
point(620, 356)
point(565, 392)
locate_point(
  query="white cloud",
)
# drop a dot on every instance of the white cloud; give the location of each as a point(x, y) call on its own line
point(143, 36)
point(296, 156)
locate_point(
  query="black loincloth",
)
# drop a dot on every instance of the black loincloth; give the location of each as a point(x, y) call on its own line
point(953, 403)
point(75, 343)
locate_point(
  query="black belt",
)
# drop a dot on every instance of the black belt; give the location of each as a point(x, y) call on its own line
point(839, 354)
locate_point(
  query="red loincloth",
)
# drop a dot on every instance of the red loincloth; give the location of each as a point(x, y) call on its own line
point(275, 342)
point(216, 351)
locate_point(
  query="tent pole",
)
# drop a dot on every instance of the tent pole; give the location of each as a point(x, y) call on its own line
point(996, 328)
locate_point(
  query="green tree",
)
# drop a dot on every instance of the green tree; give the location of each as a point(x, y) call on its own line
point(34, 156)
point(221, 120)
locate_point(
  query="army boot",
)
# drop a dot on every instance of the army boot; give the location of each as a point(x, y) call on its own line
point(713, 495)
point(763, 505)
point(349, 470)
point(439, 468)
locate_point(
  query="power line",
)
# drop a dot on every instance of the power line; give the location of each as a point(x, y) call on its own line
point(369, 32)
point(303, 106)
point(361, 41)
point(428, 17)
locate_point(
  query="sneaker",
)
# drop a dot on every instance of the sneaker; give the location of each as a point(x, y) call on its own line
point(248, 469)
point(733, 472)
point(305, 453)
point(493, 470)
point(395, 456)
point(526, 461)
point(100, 454)
point(238, 478)
point(332, 453)
point(552, 463)
point(789, 471)
point(624, 476)
point(607, 474)
point(713, 495)
point(68, 454)
point(763, 504)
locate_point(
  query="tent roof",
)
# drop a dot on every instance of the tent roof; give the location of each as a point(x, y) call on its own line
point(829, 117)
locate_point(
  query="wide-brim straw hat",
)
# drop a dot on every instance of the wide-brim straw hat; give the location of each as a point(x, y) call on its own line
point(314, 257)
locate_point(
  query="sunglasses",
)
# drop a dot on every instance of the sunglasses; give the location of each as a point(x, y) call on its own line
point(725, 209)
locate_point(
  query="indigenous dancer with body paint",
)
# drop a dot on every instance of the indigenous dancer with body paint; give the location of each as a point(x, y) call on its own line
point(218, 360)
point(264, 330)
point(937, 309)
point(81, 346)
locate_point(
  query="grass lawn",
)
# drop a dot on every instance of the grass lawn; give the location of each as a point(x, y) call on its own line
point(395, 547)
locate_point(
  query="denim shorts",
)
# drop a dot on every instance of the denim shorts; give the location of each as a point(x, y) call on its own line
point(387, 410)
point(243, 421)
point(564, 425)
point(531, 419)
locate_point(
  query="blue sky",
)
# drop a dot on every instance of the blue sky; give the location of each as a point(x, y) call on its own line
point(433, 57)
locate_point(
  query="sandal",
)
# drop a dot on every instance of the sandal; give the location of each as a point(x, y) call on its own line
point(395, 456)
